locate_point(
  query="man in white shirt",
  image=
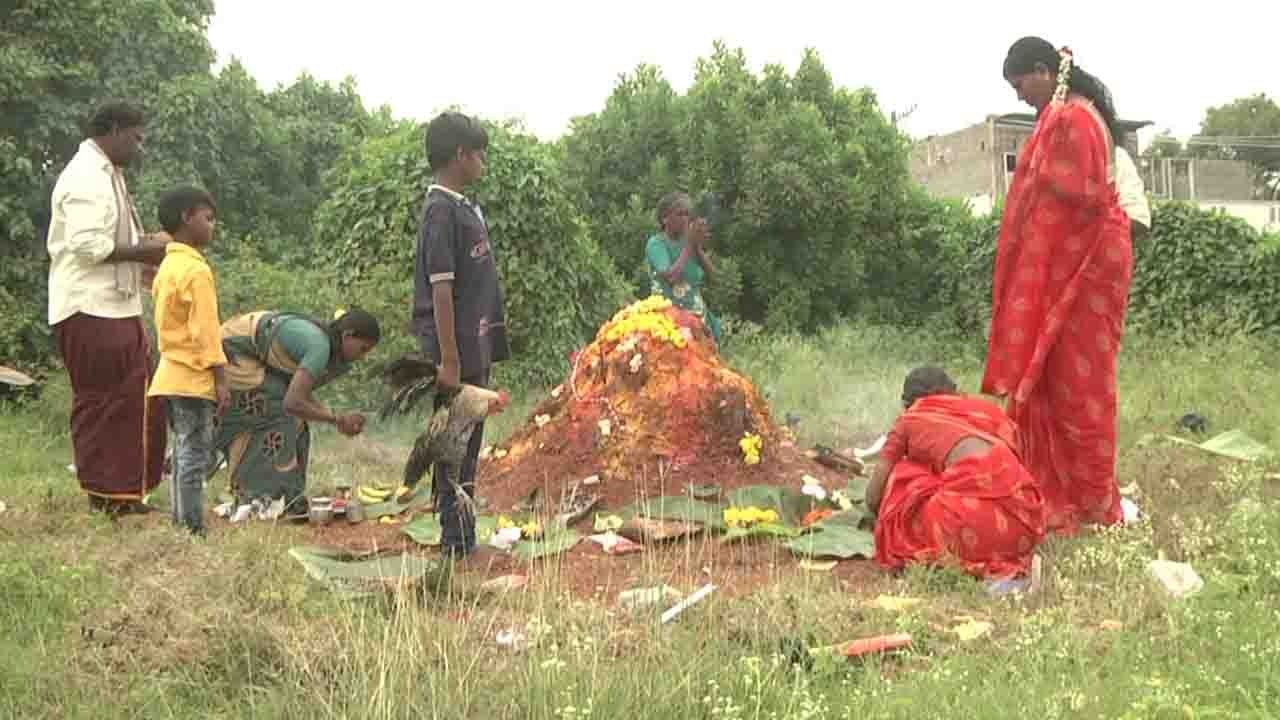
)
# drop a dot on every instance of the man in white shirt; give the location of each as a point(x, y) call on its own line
point(1133, 194)
point(98, 254)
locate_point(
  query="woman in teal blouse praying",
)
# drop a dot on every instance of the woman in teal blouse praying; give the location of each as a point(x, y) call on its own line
point(677, 257)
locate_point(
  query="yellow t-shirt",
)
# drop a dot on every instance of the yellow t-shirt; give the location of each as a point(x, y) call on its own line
point(187, 325)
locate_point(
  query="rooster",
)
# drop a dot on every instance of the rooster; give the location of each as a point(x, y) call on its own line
point(448, 431)
point(9, 376)
point(414, 377)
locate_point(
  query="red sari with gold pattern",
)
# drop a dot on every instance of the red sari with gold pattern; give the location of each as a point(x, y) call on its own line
point(984, 512)
point(1060, 292)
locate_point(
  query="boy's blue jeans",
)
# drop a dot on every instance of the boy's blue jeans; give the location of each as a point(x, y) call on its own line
point(192, 423)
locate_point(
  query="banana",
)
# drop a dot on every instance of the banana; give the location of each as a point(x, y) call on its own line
point(402, 491)
point(371, 495)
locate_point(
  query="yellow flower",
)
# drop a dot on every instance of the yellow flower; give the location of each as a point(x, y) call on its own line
point(339, 313)
point(751, 445)
point(530, 529)
point(646, 317)
point(841, 500)
point(735, 517)
point(757, 516)
point(732, 517)
point(505, 522)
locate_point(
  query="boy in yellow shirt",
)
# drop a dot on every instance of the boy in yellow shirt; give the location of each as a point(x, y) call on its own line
point(190, 375)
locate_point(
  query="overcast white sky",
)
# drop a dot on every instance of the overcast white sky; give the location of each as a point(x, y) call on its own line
point(548, 61)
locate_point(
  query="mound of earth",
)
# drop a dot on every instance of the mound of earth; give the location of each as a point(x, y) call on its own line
point(650, 410)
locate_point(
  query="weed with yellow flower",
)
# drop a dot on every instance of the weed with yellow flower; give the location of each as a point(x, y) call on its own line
point(529, 530)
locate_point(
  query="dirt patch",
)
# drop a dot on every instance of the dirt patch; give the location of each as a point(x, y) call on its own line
point(587, 572)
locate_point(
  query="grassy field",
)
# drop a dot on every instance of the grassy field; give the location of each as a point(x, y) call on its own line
point(103, 620)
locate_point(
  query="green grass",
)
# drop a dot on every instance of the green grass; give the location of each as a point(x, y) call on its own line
point(99, 620)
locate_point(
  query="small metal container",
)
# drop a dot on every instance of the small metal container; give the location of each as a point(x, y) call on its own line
point(355, 511)
point(320, 511)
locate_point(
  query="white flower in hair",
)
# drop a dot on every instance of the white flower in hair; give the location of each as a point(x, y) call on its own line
point(1064, 75)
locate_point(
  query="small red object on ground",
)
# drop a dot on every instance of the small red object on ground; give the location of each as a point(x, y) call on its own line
point(882, 643)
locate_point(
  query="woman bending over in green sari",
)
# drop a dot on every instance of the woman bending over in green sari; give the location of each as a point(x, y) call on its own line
point(276, 361)
point(677, 258)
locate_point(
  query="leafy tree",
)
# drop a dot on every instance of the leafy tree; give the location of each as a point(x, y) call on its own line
point(54, 70)
point(812, 177)
point(1247, 129)
point(618, 162)
point(262, 155)
point(194, 121)
point(1164, 145)
point(318, 122)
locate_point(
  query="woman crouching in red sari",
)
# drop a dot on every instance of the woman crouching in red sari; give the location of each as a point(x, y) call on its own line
point(950, 488)
point(1061, 289)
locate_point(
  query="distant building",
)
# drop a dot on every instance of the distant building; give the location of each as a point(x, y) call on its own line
point(1213, 184)
point(976, 164)
point(1202, 180)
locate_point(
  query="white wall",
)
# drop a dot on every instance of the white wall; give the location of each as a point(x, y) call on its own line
point(1262, 215)
point(979, 205)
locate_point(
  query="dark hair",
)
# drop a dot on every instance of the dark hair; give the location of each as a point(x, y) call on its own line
point(669, 202)
point(113, 116)
point(174, 204)
point(450, 131)
point(925, 381)
point(1028, 52)
point(358, 323)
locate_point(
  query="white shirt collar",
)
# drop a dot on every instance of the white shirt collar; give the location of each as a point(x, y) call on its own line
point(466, 202)
point(450, 192)
point(97, 149)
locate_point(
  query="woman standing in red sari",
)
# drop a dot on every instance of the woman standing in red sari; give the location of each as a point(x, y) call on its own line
point(950, 487)
point(1061, 288)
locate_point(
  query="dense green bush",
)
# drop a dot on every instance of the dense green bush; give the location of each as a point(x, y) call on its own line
point(1199, 274)
point(559, 286)
point(24, 328)
point(1203, 272)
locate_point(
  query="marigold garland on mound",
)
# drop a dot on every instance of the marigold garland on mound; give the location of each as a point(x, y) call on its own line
point(646, 316)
